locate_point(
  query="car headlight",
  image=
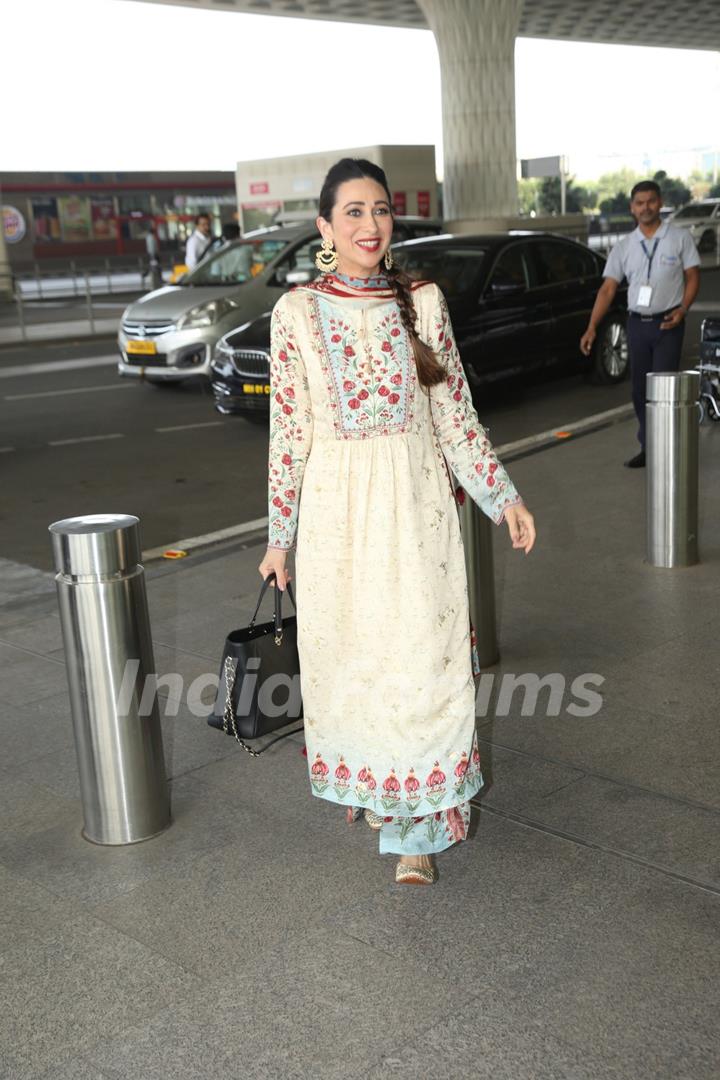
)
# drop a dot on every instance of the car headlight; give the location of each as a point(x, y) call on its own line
point(206, 314)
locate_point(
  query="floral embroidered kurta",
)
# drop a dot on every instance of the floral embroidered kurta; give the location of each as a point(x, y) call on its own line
point(358, 483)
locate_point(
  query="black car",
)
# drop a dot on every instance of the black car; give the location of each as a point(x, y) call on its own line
point(519, 302)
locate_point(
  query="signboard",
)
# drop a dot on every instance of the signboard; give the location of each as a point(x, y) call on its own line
point(45, 217)
point(14, 228)
point(400, 202)
point(103, 217)
point(540, 166)
point(260, 187)
point(423, 201)
point(74, 213)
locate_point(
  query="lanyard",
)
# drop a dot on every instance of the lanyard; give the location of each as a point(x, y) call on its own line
point(650, 255)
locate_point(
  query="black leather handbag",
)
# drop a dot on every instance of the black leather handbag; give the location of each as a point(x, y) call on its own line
point(259, 685)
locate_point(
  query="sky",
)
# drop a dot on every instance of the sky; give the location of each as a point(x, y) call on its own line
point(105, 85)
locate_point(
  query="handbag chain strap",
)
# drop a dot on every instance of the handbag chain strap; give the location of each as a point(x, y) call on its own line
point(229, 723)
point(229, 716)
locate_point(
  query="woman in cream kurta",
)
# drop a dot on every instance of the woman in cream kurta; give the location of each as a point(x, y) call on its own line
point(359, 482)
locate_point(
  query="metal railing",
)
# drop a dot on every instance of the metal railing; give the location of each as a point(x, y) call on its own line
point(80, 287)
point(73, 281)
point(86, 293)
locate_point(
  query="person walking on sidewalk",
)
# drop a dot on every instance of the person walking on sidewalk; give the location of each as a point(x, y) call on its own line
point(368, 399)
point(152, 248)
point(199, 241)
point(660, 262)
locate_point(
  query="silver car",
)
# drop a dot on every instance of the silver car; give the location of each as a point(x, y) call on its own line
point(170, 334)
point(702, 220)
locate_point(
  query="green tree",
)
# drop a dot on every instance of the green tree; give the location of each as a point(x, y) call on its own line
point(699, 184)
point(528, 195)
point(611, 185)
point(714, 192)
point(674, 191)
point(619, 203)
point(577, 198)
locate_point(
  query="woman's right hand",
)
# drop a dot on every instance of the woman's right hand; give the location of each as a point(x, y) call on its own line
point(274, 562)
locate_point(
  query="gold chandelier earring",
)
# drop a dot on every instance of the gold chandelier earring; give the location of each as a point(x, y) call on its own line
point(388, 260)
point(327, 258)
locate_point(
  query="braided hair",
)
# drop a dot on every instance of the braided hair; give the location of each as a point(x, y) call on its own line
point(429, 369)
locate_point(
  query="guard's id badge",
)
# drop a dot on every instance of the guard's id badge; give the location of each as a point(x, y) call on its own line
point(644, 296)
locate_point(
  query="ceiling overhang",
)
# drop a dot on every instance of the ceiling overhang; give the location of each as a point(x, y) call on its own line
point(687, 24)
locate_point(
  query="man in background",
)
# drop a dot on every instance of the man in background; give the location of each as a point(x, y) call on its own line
point(152, 247)
point(660, 262)
point(199, 241)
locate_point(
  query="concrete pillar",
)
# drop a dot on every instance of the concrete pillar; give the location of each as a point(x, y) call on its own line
point(476, 43)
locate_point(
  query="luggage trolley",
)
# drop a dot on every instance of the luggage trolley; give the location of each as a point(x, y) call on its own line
point(709, 368)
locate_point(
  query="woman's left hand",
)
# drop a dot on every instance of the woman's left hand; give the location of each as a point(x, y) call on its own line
point(521, 525)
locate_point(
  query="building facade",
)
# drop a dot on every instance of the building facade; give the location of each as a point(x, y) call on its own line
point(83, 217)
point(287, 188)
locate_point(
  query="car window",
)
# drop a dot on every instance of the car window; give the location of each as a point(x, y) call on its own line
point(697, 210)
point(563, 261)
point(405, 230)
point(511, 270)
point(456, 270)
point(425, 230)
point(235, 264)
point(302, 257)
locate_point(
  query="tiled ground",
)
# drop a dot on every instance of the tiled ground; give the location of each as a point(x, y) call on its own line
point(574, 936)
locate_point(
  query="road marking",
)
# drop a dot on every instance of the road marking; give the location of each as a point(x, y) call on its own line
point(530, 443)
point(6, 449)
point(56, 365)
point(186, 427)
point(84, 438)
point(75, 390)
point(551, 436)
point(208, 538)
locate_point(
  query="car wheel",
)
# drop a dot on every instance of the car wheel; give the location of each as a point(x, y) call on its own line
point(610, 356)
point(706, 242)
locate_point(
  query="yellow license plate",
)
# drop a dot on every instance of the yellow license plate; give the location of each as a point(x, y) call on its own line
point(256, 388)
point(141, 348)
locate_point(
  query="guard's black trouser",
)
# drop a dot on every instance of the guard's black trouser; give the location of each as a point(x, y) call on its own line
point(651, 349)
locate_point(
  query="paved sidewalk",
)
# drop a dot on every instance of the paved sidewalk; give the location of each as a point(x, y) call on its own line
point(574, 937)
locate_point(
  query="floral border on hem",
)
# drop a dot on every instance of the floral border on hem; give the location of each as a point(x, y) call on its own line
point(360, 787)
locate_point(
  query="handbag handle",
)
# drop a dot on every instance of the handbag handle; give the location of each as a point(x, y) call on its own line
point(278, 605)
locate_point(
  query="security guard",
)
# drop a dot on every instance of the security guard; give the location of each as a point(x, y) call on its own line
point(660, 262)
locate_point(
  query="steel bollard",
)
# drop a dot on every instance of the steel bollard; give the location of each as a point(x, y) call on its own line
point(672, 422)
point(108, 655)
point(477, 535)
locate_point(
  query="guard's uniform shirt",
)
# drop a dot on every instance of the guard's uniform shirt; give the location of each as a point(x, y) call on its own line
point(675, 253)
point(195, 248)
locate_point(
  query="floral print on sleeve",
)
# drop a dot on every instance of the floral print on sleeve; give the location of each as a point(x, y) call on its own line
point(291, 428)
point(462, 437)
